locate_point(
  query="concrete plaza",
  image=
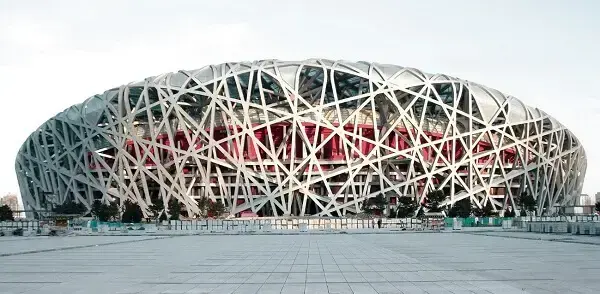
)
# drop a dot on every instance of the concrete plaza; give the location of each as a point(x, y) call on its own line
point(494, 262)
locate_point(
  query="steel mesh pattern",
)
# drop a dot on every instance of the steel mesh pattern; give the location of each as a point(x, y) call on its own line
point(315, 137)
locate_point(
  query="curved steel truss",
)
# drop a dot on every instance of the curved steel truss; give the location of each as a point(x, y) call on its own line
point(315, 137)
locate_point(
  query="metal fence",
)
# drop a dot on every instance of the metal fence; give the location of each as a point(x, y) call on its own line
point(297, 224)
point(291, 224)
point(231, 225)
point(25, 225)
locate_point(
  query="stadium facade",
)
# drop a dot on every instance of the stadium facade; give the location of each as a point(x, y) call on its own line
point(313, 137)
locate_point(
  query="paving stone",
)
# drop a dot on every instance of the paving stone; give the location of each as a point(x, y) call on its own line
point(490, 262)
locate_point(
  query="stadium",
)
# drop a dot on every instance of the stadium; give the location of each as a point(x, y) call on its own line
point(299, 138)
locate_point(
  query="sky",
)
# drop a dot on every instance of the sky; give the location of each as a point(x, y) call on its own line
point(54, 54)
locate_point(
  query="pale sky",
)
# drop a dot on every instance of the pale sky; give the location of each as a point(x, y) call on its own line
point(58, 53)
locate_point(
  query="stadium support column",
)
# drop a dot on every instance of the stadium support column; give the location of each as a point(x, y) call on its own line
point(120, 163)
point(383, 116)
point(470, 147)
point(294, 204)
point(453, 173)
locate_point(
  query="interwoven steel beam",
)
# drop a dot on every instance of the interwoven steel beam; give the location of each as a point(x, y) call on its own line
point(315, 137)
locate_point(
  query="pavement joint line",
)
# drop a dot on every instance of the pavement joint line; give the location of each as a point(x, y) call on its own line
point(349, 282)
point(178, 233)
point(79, 246)
point(49, 272)
point(379, 263)
point(28, 282)
point(74, 265)
point(336, 272)
point(22, 238)
point(563, 240)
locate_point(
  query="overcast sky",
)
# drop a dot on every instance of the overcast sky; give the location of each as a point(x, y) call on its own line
point(58, 53)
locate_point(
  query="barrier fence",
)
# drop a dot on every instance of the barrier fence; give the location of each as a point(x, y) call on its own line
point(316, 224)
point(529, 223)
point(299, 224)
point(476, 222)
point(25, 225)
point(573, 218)
point(575, 228)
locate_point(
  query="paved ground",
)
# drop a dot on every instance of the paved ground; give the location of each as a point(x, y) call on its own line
point(23, 245)
point(384, 263)
point(567, 238)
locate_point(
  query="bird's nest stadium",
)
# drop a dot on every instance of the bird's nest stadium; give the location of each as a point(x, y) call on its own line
point(313, 137)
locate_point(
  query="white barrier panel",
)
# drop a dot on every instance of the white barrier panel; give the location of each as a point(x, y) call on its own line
point(303, 227)
point(456, 224)
point(559, 227)
point(267, 227)
point(507, 223)
point(297, 224)
point(25, 225)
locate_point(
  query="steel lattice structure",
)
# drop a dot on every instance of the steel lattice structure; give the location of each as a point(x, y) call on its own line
point(315, 137)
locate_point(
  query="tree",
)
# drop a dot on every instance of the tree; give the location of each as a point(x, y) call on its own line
point(216, 208)
point(461, 208)
point(509, 213)
point(112, 211)
point(527, 202)
point(511, 208)
point(598, 207)
point(375, 204)
point(97, 210)
point(380, 203)
point(100, 211)
point(6, 214)
point(158, 210)
point(366, 208)
point(132, 213)
point(406, 207)
point(70, 207)
point(393, 213)
point(203, 204)
point(174, 209)
point(434, 199)
point(485, 211)
point(421, 212)
point(105, 212)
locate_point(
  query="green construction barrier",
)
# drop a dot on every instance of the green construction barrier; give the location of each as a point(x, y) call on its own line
point(498, 221)
point(469, 222)
point(448, 222)
point(483, 221)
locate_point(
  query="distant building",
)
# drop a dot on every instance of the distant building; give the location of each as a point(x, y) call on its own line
point(583, 204)
point(584, 200)
point(12, 201)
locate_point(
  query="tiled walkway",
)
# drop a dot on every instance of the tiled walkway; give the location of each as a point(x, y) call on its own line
point(343, 263)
